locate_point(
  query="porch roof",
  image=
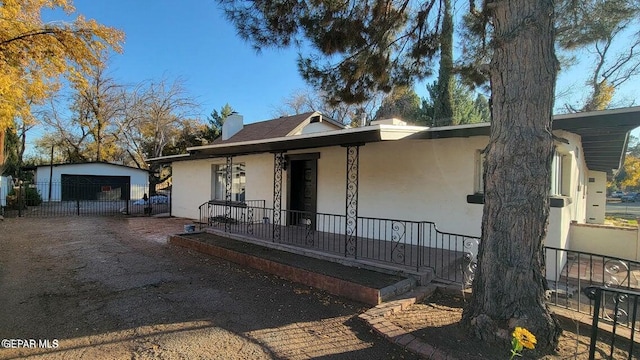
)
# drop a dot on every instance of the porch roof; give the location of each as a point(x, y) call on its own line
point(604, 138)
point(342, 137)
point(604, 134)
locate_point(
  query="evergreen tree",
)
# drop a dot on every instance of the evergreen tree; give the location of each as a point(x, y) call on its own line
point(402, 103)
point(363, 46)
point(465, 109)
point(443, 88)
point(216, 120)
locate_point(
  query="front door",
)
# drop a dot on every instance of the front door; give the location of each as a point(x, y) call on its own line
point(302, 181)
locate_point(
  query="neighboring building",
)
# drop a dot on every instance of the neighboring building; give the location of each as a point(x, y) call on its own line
point(6, 185)
point(90, 181)
point(392, 171)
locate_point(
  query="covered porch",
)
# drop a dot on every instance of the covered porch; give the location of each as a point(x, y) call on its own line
point(394, 244)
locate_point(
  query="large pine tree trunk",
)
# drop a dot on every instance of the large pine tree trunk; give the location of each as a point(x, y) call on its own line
point(509, 284)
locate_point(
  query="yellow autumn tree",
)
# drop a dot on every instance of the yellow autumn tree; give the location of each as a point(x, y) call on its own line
point(34, 55)
point(631, 180)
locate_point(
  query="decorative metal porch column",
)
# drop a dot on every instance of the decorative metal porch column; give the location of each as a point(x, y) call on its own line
point(278, 162)
point(351, 205)
point(227, 194)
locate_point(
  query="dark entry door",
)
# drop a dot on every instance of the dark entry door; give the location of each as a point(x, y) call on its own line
point(302, 191)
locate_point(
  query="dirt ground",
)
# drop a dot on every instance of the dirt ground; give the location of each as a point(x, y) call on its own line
point(112, 288)
point(435, 320)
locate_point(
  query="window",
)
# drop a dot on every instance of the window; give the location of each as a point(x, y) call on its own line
point(238, 180)
point(556, 175)
point(479, 186)
point(559, 177)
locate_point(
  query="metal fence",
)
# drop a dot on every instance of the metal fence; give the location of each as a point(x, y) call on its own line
point(614, 315)
point(73, 199)
point(569, 272)
point(411, 244)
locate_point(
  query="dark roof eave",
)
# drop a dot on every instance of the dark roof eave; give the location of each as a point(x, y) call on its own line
point(597, 129)
point(285, 145)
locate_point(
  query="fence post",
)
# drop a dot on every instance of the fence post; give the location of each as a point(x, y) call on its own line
point(638, 239)
point(20, 198)
point(127, 199)
point(420, 233)
point(597, 292)
point(77, 206)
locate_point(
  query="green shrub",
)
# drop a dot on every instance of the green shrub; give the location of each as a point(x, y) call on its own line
point(30, 195)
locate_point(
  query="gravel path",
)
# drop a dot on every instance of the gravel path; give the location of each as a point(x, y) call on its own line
point(94, 288)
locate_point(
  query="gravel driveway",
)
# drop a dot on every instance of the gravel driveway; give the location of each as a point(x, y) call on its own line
point(94, 288)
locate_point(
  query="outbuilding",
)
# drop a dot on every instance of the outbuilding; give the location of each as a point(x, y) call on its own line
point(90, 181)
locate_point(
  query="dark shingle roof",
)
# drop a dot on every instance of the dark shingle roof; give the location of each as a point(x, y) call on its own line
point(267, 129)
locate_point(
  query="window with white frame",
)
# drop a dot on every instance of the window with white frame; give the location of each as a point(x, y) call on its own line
point(238, 180)
point(479, 185)
point(556, 174)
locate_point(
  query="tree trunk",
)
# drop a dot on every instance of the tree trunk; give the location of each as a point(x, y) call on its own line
point(509, 285)
point(2, 135)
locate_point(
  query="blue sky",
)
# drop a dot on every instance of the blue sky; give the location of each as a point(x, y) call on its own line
point(191, 39)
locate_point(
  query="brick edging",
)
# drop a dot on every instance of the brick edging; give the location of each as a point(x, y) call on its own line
point(376, 318)
point(333, 285)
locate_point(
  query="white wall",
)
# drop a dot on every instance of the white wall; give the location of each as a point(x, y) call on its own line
point(139, 178)
point(596, 197)
point(423, 181)
point(606, 240)
point(191, 186)
point(558, 236)
point(6, 185)
point(315, 128)
point(419, 180)
point(192, 182)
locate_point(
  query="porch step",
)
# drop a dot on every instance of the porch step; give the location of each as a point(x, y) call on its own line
point(356, 283)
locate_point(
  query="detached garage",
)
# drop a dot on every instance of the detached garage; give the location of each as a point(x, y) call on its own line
point(91, 181)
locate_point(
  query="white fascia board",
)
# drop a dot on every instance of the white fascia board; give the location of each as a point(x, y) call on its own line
point(397, 132)
point(597, 113)
point(168, 157)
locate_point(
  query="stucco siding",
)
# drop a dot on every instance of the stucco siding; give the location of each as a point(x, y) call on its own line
point(259, 183)
point(422, 181)
point(596, 197)
point(417, 180)
point(191, 187)
point(606, 240)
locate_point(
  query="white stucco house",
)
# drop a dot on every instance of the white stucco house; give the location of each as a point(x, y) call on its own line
point(362, 182)
point(90, 181)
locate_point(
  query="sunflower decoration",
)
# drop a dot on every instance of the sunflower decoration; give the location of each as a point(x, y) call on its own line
point(521, 338)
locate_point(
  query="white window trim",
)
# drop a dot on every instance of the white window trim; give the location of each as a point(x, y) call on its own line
point(218, 180)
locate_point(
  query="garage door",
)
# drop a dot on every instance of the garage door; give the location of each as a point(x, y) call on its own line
point(95, 187)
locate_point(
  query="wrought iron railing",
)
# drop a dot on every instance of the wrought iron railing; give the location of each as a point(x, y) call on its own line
point(50, 199)
point(413, 244)
point(227, 212)
point(568, 272)
point(416, 244)
point(615, 307)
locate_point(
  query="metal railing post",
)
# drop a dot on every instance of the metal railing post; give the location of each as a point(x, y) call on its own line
point(128, 199)
point(19, 198)
point(594, 323)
